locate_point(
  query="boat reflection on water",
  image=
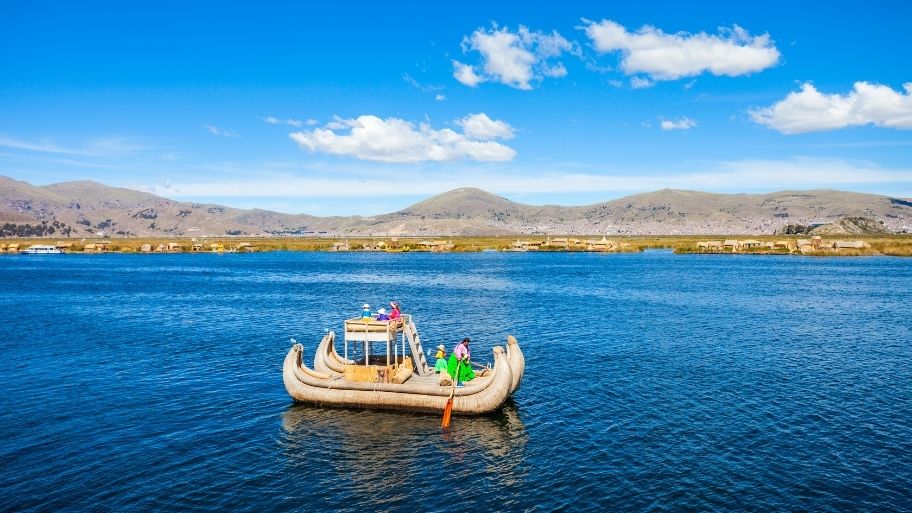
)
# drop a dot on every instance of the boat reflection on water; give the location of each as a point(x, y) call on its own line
point(363, 447)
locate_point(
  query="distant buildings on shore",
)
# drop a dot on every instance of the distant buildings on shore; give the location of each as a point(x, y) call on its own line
point(815, 244)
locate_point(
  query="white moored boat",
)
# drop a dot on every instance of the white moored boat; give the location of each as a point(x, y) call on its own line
point(399, 378)
point(41, 249)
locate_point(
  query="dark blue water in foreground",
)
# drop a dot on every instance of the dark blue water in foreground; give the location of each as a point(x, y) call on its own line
point(654, 382)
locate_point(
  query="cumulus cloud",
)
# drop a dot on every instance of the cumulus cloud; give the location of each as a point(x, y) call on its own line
point(513, 58)
point(466, 75)
point(221, 132)
point(809, 110)
point(369, 137)
point(480, 126)
point(650, 51)
point(683, 123)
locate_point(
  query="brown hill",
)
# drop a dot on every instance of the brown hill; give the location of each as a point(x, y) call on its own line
point(83, 209)
point(852, 226)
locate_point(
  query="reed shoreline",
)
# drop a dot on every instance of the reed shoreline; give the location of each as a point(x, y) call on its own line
point(892, 245)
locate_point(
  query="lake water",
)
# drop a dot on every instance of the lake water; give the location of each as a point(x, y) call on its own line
point(654, 382)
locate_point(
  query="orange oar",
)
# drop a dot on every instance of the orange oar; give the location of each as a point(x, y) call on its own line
point(448, 409)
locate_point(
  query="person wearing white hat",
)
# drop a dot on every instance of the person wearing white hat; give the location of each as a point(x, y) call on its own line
point(382, 315)
point(366, 312)
point(441, 364)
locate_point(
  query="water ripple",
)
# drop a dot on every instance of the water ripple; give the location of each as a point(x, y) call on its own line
point(654, 382)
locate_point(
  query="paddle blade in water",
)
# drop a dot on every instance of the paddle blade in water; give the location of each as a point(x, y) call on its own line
point(447, 412)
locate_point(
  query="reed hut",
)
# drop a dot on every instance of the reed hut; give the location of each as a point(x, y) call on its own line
point(731, 245)
point(750, 244)
point(145, 248)
point(602, 244)
point(560, 242)
point(850, 244)
point(339, 246)
point(174, 247)
point(12, 248)
point(520, 245)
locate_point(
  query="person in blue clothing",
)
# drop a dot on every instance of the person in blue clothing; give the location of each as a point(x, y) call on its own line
point(366, 312)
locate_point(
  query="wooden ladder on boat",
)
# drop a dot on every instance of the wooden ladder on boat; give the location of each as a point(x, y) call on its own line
point(411, 333)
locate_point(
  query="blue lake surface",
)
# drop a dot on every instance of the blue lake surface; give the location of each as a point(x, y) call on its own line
point(654, 382)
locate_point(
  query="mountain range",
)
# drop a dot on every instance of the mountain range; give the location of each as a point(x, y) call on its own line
point(85, 208)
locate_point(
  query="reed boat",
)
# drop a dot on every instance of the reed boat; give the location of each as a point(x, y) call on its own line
point(397, 376)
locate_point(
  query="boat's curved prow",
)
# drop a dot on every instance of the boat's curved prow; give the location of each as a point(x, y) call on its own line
point(517, 362)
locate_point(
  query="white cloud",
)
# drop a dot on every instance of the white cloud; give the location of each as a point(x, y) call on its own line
point(222, 132)
point(513, 58)
point(466, 75)
point(662, 56)
point(641, 83)
point(440, 98)
point(425, 88)
point(683, 123)
point(99, 147)
point(809, 110)
point(311, 122)
point(369, 137)
point(480, 126)
point(297, 123)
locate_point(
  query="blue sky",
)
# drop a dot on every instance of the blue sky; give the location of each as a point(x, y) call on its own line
point(365, 108)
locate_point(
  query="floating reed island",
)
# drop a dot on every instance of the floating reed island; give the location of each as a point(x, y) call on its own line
point(383, 366)
point(892, 244)
point(815, 245)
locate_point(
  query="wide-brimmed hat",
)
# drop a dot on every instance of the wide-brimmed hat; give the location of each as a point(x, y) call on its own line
point(381, 311)
point(441, 347)
point(365, 305)
point(394, 304)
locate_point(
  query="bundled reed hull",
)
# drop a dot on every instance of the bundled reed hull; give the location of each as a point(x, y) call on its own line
point(325, 385)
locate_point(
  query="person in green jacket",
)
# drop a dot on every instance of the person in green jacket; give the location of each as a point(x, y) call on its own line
point(461, 363)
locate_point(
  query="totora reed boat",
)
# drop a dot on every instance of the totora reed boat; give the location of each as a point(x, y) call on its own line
point(398, 378)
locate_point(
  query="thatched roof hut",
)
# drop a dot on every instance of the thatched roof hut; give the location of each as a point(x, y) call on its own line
point(850, 244)
point(731, 244)
point(146, 248)
point(174, 247)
